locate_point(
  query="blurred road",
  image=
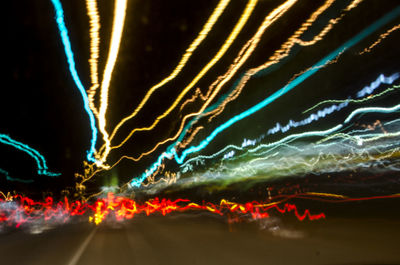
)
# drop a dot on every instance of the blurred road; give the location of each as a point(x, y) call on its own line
point(208, 240)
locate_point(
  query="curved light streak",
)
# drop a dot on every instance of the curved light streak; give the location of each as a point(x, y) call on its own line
point(71, 62)
point(359, 37)
point(42, 168)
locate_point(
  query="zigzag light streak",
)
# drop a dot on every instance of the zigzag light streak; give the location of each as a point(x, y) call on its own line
point(283, 52)
point(359, 37)
point(228, 42)
point(242, 57)
point(39, 159)
point(118, 25)
point(293, 160)
point(185, 58)
point(381, 37)
point(71, 62)
point(278, 55)
point(358, 139)
point(328, 110)
point(94, 17)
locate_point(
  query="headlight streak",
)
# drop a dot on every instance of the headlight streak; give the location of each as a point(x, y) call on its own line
point(42, 168)
point(94, 22)
point(228, 42)
point(71, 62)
point(185, 58)
point(240, 59)
point(283, 52)
point(118, 25)
point(359, 37)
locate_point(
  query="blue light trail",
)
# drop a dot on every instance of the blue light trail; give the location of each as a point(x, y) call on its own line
point(71, 62)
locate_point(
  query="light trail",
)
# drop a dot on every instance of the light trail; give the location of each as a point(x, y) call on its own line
point(39, 159)
point(9, 178)
point(185, 58)
point(242, 57)
point(118, 25)
point(94, 22)
point(335, 156)
point(381, 37)
point(284, 51)
point(20, 211)
point(228, 42)
point(367, 90)
point(71, 62)
point(359, 37)
point(278, 55)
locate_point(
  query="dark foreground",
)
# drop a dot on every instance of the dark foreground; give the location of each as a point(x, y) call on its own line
point(188, 239)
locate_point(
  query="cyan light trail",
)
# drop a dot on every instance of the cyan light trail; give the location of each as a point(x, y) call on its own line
point(5, 173)
point(71, 62)
point(315, 68)
point(39, 159)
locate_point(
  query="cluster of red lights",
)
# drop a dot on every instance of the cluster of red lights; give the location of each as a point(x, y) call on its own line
point(18, 210)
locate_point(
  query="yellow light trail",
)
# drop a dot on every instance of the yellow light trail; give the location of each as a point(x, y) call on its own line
point(285, 50)
point(94, 22)
point(118, 25)
point(247, 50)
point(185, 58)
point(228, 42)
point(244, 54)
point(278, 55)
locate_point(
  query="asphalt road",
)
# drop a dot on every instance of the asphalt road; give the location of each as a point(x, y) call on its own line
point(193, 240)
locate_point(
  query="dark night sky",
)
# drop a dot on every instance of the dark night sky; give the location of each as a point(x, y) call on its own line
point(40, 104)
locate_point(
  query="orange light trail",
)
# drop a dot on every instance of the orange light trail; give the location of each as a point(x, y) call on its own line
point(185, 58)
point(244, 54)
point(228, 42)
point(381, 37)
point(285, 50)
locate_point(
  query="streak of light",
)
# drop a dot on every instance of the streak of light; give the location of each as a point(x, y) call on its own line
point(71, 62)
point(335, 101)
point(118, 25)
point(284, 51)
point(20, 211)
point(244, 54)
point(381, 37)
point(228, 42)
point(39, 159)
point(185, 58)
point(94, 23)
point(23, 210)
point(9, 178)
point(240, 148)
point(136, 182)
